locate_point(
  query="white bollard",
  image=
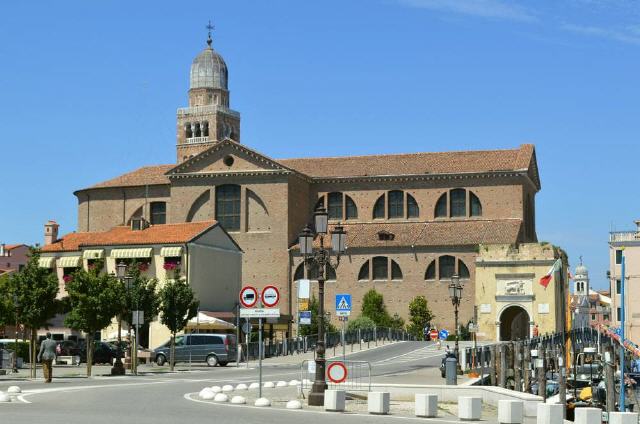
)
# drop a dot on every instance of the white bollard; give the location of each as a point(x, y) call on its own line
point(378, 403)
point(426, 405)
point(262, 402)
point(294, 383)
point(269, 385)
point(14, 390)
point(550, 413)
point(221, 397)
point(282, 384)
point(254, 386)
point(227, 388)
point(206, 394)
point(294, 404)
point(511, 411)
point(334, 400)
point(588, 416)
point(216, 389)
point(4, 397)
point(238, 400)
point(469, 408)
point(623, 418)
point(242, 386)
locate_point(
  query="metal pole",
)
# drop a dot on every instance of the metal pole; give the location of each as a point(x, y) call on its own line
point(259, 357)
point(622, 311)
point(344, 354)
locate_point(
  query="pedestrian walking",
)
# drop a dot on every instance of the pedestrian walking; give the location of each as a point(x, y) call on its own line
point(46, 355)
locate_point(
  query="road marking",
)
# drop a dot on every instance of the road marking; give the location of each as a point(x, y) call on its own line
point(188, 396)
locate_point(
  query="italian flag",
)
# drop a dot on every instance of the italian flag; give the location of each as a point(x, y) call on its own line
point(546, 279)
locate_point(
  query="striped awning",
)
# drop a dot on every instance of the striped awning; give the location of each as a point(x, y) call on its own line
point(70, 262)
point(93, 254)
point(141, 252)
point(46, 261)
point(171, 252)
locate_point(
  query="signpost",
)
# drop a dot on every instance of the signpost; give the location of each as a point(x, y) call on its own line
point(433, 334)
point(343, 311)
point(443, 334)
point(269, 297)
point(137, 320)
point(337, 372)
point(305, 317)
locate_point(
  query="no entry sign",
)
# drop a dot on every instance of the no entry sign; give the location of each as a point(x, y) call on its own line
point(337, 372)
point(248, 296)
point(433, 334)
point(270, 296)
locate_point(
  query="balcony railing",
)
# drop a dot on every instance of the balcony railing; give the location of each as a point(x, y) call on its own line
point(197, 110)
point(194, 140)
point(618, 236)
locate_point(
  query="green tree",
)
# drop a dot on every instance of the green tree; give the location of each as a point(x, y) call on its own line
point(312, 329)
point(177, 306)
point(35, 289)
point(361, 323)
point(7, 313)
point(396, 322)
point(374, 308)
point(420, 316)
point(94, 298)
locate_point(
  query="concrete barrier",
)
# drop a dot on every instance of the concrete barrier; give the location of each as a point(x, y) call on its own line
point(426, 405)
point(378, 402)
point(623, 418)
point(334, 400)
point(588, 416)
point(469, 408)
point(550, 413)
point(511, 411)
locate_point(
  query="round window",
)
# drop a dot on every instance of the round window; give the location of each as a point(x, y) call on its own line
point(228, 160)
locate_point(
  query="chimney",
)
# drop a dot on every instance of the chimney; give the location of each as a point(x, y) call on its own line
point(637, 222)
point(50, 232)
point(2, 249)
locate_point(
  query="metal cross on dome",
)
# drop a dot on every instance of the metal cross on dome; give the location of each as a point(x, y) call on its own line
point(210, 28)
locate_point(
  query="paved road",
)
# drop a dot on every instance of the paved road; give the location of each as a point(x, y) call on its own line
point(159, 398)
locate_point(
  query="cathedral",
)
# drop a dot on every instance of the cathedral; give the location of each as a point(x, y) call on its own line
point(412, 220)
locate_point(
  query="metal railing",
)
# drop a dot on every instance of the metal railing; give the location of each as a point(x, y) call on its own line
point(615, 236)
point(207, 109)
point(357, 339)
point(358, 376)
point(194, 140)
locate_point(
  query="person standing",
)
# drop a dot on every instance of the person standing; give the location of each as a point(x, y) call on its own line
point(46, 356)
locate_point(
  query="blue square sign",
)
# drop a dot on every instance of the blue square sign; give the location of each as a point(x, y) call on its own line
point(343, 305)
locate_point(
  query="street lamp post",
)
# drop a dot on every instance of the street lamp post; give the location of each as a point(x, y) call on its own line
point(455, 292)
point(118, 366)
point(319, 259)
point(16, 305)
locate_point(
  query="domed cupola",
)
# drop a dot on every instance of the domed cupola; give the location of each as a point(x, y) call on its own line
point(208, 70)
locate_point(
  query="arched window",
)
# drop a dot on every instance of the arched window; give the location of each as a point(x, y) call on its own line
point(363, 275)
point(447, 266)
point(396, 204)
point(431, 271)
point(158, 213)
point(299, 274)
point(441, 207)
point(463, 271)
point(335, 205)
point(380, 267)
point(378, 208)
point(187, 130)
point(228, 206)
point(205, 129)
point(476, 206)
point(312, 274)
point(339, 206)
point(458, 203)
point(197, 131)
point(413, 211)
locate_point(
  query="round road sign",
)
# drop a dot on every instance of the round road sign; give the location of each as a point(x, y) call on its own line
point(248, 296)
point(433, 334)
point(270, 296)
point(337, 372)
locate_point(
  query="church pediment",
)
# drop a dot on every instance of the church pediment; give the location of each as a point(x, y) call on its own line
point(228, 157)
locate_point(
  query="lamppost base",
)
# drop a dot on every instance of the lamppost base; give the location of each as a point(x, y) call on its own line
point(316, 395)
point(117, 369)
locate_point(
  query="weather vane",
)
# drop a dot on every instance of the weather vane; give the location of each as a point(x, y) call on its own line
point(209, 27)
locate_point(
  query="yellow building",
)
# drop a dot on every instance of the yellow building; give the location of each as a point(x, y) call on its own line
point(510, 301)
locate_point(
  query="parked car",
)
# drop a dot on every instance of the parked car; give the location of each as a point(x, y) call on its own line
point(213, 349)
point(103, 353)
point(68, 348)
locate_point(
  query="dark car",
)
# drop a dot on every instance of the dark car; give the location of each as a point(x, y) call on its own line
point(213, 349)
point(103, 353)
point(68, 348)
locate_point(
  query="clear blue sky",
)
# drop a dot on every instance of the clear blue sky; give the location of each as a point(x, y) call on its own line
point(88, 90)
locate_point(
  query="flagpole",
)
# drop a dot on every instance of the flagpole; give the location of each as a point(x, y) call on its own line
point(622, 311)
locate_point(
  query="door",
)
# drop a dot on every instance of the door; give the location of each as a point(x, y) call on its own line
point(181, 349)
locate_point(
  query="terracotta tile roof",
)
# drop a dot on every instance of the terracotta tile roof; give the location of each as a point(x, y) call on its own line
point(432, 233)
point(415, 163)
point(123, 236)
point(373, 165)
point(13, 246)
point(147, 175)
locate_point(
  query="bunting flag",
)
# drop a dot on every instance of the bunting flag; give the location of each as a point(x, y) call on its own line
point(546, 279)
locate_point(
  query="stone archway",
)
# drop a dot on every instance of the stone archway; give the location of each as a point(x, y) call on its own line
point(514, 323)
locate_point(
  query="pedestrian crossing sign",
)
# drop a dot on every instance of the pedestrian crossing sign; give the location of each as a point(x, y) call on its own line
point(343, 305)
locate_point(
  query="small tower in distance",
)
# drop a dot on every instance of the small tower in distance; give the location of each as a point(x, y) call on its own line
point(582, 305)
point(208, 118)
point(50, 232)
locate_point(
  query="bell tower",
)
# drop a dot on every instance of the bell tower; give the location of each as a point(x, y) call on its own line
point(208, 119)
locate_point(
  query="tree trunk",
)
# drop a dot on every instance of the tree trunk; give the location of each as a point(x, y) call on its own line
point(89, 354)
point(172, 352)
point(32, 353)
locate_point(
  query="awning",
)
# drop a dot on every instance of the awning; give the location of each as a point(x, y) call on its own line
point(70, 262)
point(171, 252)
point(46, 261)
point(142, 252)
point(202, 321)
point(93, 254)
